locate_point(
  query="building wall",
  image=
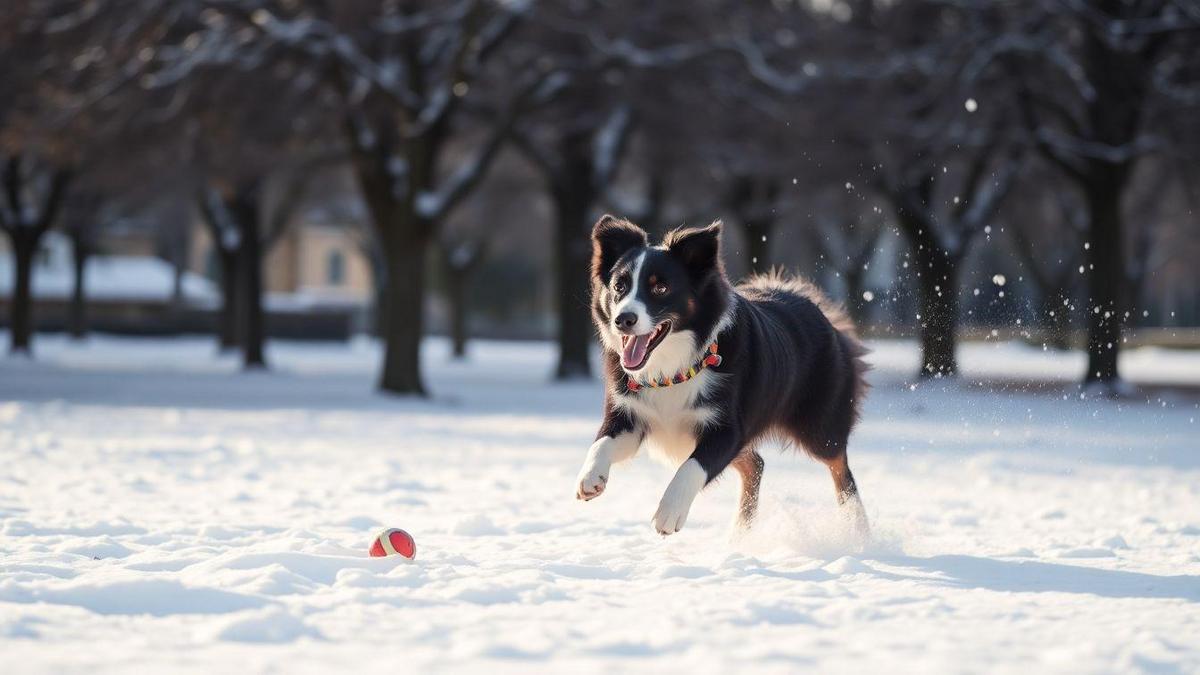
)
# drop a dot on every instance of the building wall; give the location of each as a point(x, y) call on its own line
point(310, 258)
point(328, 259)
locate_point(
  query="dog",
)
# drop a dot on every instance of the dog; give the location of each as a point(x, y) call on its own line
point(701, 372)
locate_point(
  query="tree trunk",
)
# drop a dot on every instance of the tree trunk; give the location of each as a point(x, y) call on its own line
point(177, 272)
point(939, 312)
point(1054, 320)
point(227, 318)
point(378, 314)
point(1121, 78)
point(456, 292)
point(24, 246)
point(574, 194)
point(572, 250)
point(752, 199)
point(249, 293)
point(1106, 275)
point(403, 239)
point(77, 322)
point(403, 310)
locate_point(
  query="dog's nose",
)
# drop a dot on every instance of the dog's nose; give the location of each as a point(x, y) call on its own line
point(625, 321)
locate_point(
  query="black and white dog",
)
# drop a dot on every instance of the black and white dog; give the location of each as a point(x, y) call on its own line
point(700, 372)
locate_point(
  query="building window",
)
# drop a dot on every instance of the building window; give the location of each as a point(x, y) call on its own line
point(212, 266)
point(335, 268)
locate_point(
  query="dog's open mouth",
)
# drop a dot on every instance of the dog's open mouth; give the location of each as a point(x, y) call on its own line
point(636, 349)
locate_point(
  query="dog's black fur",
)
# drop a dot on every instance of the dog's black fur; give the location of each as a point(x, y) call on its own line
point(791, 365)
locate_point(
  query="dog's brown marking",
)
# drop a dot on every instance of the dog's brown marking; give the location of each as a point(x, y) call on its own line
point(749, 465)
point(847, 492)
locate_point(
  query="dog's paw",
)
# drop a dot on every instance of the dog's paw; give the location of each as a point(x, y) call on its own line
point(677, 500)
point(670, 517)
point(591, 483)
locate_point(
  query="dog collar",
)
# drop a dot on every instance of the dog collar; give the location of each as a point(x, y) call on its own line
point(712, 358)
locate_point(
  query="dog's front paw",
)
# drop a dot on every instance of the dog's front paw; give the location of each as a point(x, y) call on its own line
point(591, 483)
point(677, 500)
point(670, 517)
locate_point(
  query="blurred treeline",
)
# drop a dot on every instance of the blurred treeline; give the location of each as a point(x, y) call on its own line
point(892, 150)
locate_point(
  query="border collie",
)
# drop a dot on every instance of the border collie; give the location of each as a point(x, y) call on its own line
point(700, 372)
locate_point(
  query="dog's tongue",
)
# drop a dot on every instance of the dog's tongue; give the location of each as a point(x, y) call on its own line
point(635, 351)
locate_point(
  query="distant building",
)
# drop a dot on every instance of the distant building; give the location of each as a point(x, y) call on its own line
point(317, 282)
point(312, 260)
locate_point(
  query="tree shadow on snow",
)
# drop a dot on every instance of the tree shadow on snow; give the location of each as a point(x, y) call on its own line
point(1027, 576)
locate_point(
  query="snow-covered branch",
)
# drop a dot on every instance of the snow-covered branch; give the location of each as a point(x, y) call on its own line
point(609, 145)
point(1091, 149)
point(984, 200)
point(216, 216)
point(432, 206)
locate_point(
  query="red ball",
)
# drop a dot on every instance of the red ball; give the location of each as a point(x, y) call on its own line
point(394, 541)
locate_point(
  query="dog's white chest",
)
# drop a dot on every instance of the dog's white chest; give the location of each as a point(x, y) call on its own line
point(671, 418)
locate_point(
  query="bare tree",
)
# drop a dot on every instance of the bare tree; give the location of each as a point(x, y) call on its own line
point(460, 257)
point(940, 237)
point(399, 72)
point(34, 170)
point(1045, 228)
point(579, 134)
point(577, 166)
point(245, 222)
point(846, 230)
point(1099, 82)
point(82, 219)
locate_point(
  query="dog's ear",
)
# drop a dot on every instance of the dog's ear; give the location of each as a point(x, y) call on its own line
point(698, 247)
point(612, 238)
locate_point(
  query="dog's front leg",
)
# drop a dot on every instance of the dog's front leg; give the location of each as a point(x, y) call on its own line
point(715, 449)
point(606, 451)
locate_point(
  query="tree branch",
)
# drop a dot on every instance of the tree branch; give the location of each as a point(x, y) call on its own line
point(12, 190)
point(59, 180)
point(609, 146)
point(433, 206)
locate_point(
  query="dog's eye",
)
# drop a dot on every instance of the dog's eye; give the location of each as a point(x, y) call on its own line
point(620, 287)
point(659, 290)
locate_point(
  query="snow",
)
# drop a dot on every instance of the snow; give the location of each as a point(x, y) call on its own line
point(162, 511)
point(106, 277)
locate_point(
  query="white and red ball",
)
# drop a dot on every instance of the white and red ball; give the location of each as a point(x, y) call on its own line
point(393, 541)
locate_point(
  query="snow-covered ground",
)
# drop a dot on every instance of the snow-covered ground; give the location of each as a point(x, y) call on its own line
point(160, 511)
point(106, 277)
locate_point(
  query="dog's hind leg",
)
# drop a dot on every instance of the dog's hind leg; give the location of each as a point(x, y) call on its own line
point(847, 492)
point(749, 465)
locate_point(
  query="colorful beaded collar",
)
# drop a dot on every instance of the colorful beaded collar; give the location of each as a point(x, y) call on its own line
point(712, 358)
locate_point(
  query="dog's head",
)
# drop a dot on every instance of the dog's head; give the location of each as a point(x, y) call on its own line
point(655, 305)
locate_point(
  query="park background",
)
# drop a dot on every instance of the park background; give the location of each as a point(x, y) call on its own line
point(275, 274)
